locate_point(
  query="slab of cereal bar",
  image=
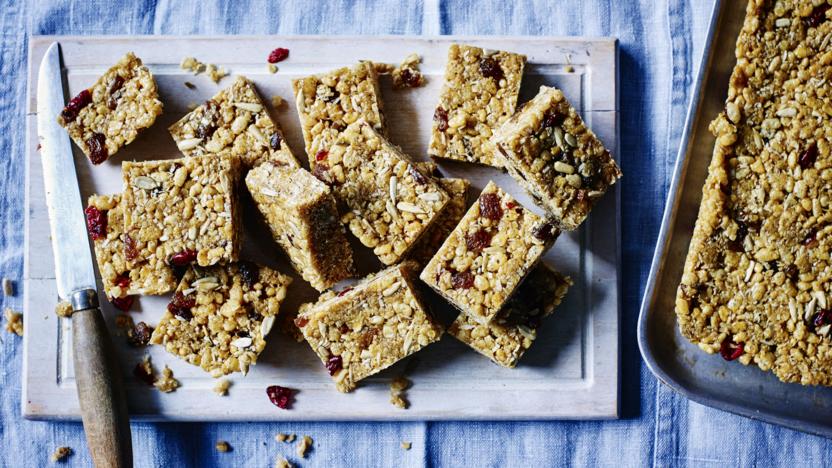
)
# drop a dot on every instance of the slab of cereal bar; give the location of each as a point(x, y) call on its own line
point(556, 158)
point(235, 121)
point(480, 93)
point(389, 202)
point(756, 284)
point(105, 223)
point(329, 102)
point(303, 218)
point(181, 210)
point(489, 254)
point(506, 338)
point(110, 115)
point(363, 330)
point(219, 316)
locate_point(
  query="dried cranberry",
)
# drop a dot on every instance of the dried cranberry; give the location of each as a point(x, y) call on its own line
point(418, 176)
point(143, 374)
point(321, 155)
point(730, 350)
point(808, 156)
point(280, 396)
point(490, 206)
point(122, 303)
point(130, 250)
point(441, 117)
point(97, 148)
point(792, 273)
point(250, 273)
point(545, 232)
point(275, 140)
point(817, 16)
point(367, 338)
point(321, 171)
point(491, 69)
point(553, 119)
point(96, 222)
point(334, 364)
point(182, 258)
point(411, 79)
point(811, 239)
point(511, 205)
point(181, 305)
point(823, 317)
point(462, 280)
point(70, 112)
point(140, 335)
point(122, 280)
point(344, 291)
point(478, 240)
point(344, 329)
point(278, 55)
point(301, 322)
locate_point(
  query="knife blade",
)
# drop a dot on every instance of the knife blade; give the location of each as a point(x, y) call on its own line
point(70, 245)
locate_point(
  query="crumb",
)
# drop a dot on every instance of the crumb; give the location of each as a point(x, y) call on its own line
point(397, 394)
point(570, 69)
point(61, 453)
point(216, 73)
point(192, 65)
point(190, 85)
point(221, 388)
point(281, 437)
point(8, 287)
point(291, 438)
point(383, 68)
point(64, 309)
point(271, 67)
point(14, 322)
point(281, 462)
point(304, 445)
point(166, 383)
point(406, 445)
point(144, 371)
point(407, 75)
point(222, 446)
point(277, 101)
point(139, 335)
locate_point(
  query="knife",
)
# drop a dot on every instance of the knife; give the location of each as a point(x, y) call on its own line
point(97, 377)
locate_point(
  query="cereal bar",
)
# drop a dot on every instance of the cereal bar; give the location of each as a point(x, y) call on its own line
point(488, 254)
point(109, 115)
point(550, 151)
point(235, 121)
point(219, 316)
point(514, 329)
point(480, 92)
point(303, 218)
point(180, 210)
point(363, 330)
point(329, 102)
point(389, 202)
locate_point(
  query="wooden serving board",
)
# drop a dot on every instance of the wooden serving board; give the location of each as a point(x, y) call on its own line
point(572, 370)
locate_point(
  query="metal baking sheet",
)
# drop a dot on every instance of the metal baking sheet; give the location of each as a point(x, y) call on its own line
point(679, 364)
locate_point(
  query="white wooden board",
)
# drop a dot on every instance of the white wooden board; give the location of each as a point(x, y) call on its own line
point(572, 370)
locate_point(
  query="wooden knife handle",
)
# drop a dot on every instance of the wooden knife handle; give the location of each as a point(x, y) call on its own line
point(100, 391)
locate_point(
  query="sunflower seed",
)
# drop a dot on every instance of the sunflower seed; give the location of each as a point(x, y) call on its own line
point(570, 139)
point(145, 183)
point(8, 287)
point(268, 192)
point(188, 143)
point(409, 207)
point(267, 325)
point(249, 106)
point(243, 342)
point(393, 188)
point(430, 196)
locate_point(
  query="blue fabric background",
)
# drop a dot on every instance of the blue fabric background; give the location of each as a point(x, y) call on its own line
point(661, 45)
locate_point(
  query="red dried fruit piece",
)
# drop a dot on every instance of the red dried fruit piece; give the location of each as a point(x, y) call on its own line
point(462, 280)
point(817, 16)
point(181, 305)
point(823, 317)
point(478, 240)
point(418, 176)
point(321, 171)
point(97, 147)
point(344, 291)
point(96, 222)
point(490, 206)
point(82, 100)
point(122, 303)
point(491, 69)
point(278, 55)
point(122, 280)
point(301, 322)
point(334, 364)
point(440, 116)
point(250, 273)
point(130, 250)
point(321, 155)
point(553, 119)
point(182, 258)
point(143, 374)
point(545, 232)
point(410, 79)
point(274, 141)
point(811, 239)
point(140, 335)
point(280, 396)
point(730, 350)
point(808, 156)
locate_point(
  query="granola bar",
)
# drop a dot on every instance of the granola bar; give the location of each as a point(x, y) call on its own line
point(180, 210)
point(234, 121)
point(489, 254)
point(480, 92)
point(329, 102)
point(105, 219)
point(363, 330)
point(109, 115)
point(756, 284)
point(550, 151)
point(514, 329)
point(303, 218)
point(219, 316)
point(390, 203)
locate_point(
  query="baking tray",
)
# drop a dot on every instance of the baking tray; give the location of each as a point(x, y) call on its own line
point(679, 364)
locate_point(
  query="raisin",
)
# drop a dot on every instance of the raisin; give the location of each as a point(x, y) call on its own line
point(114, 92)
point(418, 176)
point(250, 273)
point(122, 280)
point(817, 16)
point(130, 251)
point(301, 322)
point(252, 314)
point(366, 338)
point(334, 364)
point(321, 155)
point(344, 291)
point(792, 273)
point(181, 305)
point(122, 303)
point(410, 79)
point(730, 350)
point(545, 232)
point(441, 117)
point(811, 239)
point(553, 119)
point(278, 55)
point(462, 280)
point(808, 156)
point(143, 374)
point(140, 335)
point(280, 396)
point(96, 222)
point(491, 69)
point(823, 317)
point(82, 100)
point(182, 258)
point(490, 206)
point(478, 240)
point(321, 171)
point(97, 148)
point(274, 141)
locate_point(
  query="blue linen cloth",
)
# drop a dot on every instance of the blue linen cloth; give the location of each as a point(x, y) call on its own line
point(661, 46)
